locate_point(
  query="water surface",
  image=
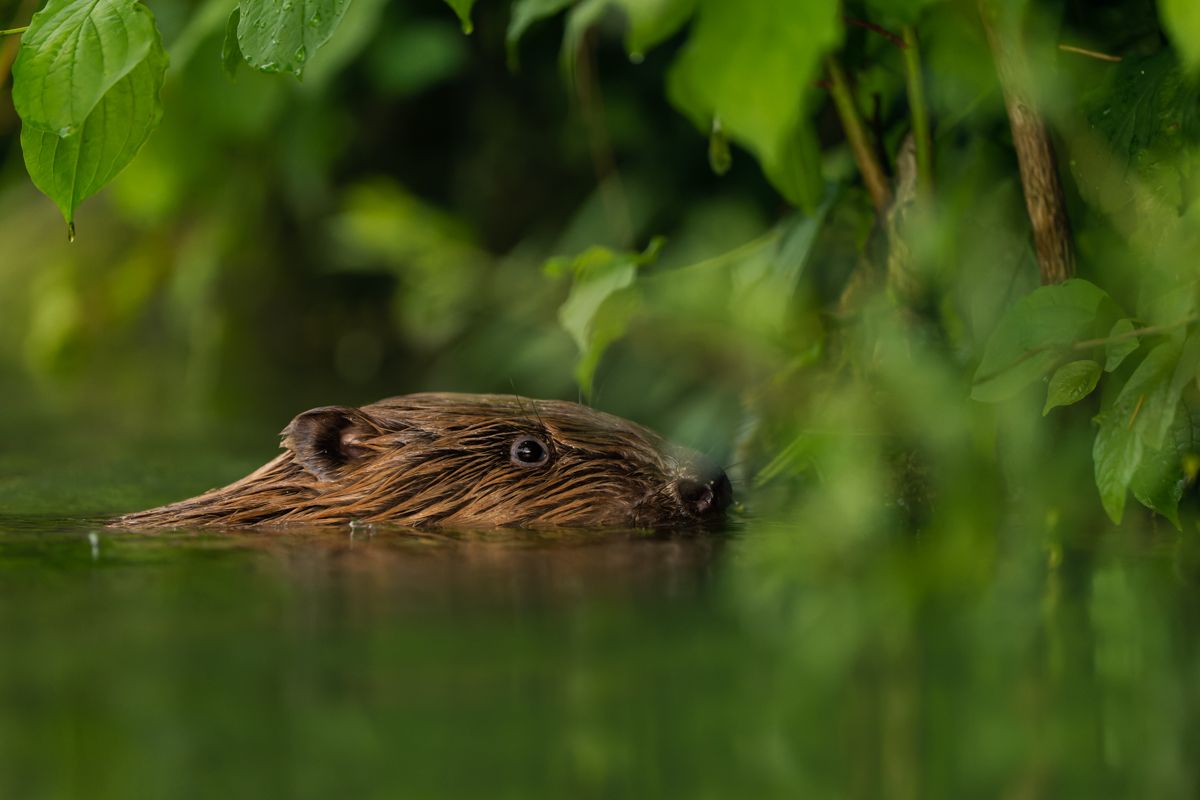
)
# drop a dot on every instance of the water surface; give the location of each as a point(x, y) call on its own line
point(771, 660)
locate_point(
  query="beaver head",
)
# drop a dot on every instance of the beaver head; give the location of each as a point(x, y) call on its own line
point(465, 460)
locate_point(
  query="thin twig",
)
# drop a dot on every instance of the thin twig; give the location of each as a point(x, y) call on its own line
point(1070, 48)
point(1088, 344)
point(919, 112)
point(868, 164)
point(871, 26)
point(14, 31)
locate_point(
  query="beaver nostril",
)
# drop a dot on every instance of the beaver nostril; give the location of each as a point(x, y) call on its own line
point(705, 498)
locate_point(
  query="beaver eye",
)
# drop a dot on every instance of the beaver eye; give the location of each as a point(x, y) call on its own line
point(528, 451)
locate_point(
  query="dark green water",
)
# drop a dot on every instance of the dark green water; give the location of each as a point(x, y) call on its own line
point(774, 660)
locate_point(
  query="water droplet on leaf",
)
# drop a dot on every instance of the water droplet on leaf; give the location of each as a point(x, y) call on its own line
point(301, 54)
point(637, 57)
point(71, 231)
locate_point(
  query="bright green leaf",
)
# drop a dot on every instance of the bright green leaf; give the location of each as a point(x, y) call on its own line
point(463, 9)
point(653, 21)
point(1035, 332)
point(752, 65)
point(603, 299)
point(796, 172)
point(1071, 383)
point(73, 54)
point(70, 169)
point(1181, 19)
point(282, 35)
point(1115, 352)
point(608, 324)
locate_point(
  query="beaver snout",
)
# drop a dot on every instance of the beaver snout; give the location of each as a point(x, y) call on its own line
point(705, 497)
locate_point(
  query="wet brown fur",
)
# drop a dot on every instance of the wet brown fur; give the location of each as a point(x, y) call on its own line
point(444, 460)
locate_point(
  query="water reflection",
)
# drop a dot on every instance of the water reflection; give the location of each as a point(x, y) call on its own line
point(417, 568)
point(774, 662)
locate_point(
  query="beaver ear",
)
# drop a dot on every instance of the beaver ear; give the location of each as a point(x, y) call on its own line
point(326, 440)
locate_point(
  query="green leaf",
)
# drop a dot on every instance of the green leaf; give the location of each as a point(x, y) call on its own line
point(751, 65)
point(1115, 352)
point(796, 171)
point(70, 169)
point(73, 54)
point(1181, 19)
point(1117, 453)
point(1161, 477)
point(463, 9)
point(231, 53)
point(282, 35)
point(1035, 332)
point(524, 14)
point(602, 300)
point(1138, 421)
point(719, 157)
point(1071, 383)
point(653, 21)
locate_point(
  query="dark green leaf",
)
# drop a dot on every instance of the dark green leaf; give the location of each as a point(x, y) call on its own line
point(231, 54)
point(70, 169)
point(1117, 453)
point(1138, 421)
point(282, 35)
point(1034, 334)
point(1147, 400)
point(897, 12)
point(73, 54)
point(1071, 383)
point(751, 65)
point(1115, 352)
point(1161, 477)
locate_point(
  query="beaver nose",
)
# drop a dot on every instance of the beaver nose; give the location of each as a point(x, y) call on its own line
point(705, 497)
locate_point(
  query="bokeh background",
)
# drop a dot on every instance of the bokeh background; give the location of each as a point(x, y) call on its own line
point(920, 595)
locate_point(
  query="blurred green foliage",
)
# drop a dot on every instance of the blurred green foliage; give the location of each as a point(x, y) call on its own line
point(380, 226)
point(652, 205)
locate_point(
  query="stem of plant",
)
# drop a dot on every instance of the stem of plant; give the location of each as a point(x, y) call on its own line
point(14, 31)
point(1044, 197)
point(920, 113)
point(868, 164)
point(1088, 344)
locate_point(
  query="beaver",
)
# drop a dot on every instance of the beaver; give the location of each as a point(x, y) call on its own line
point(465, 460)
